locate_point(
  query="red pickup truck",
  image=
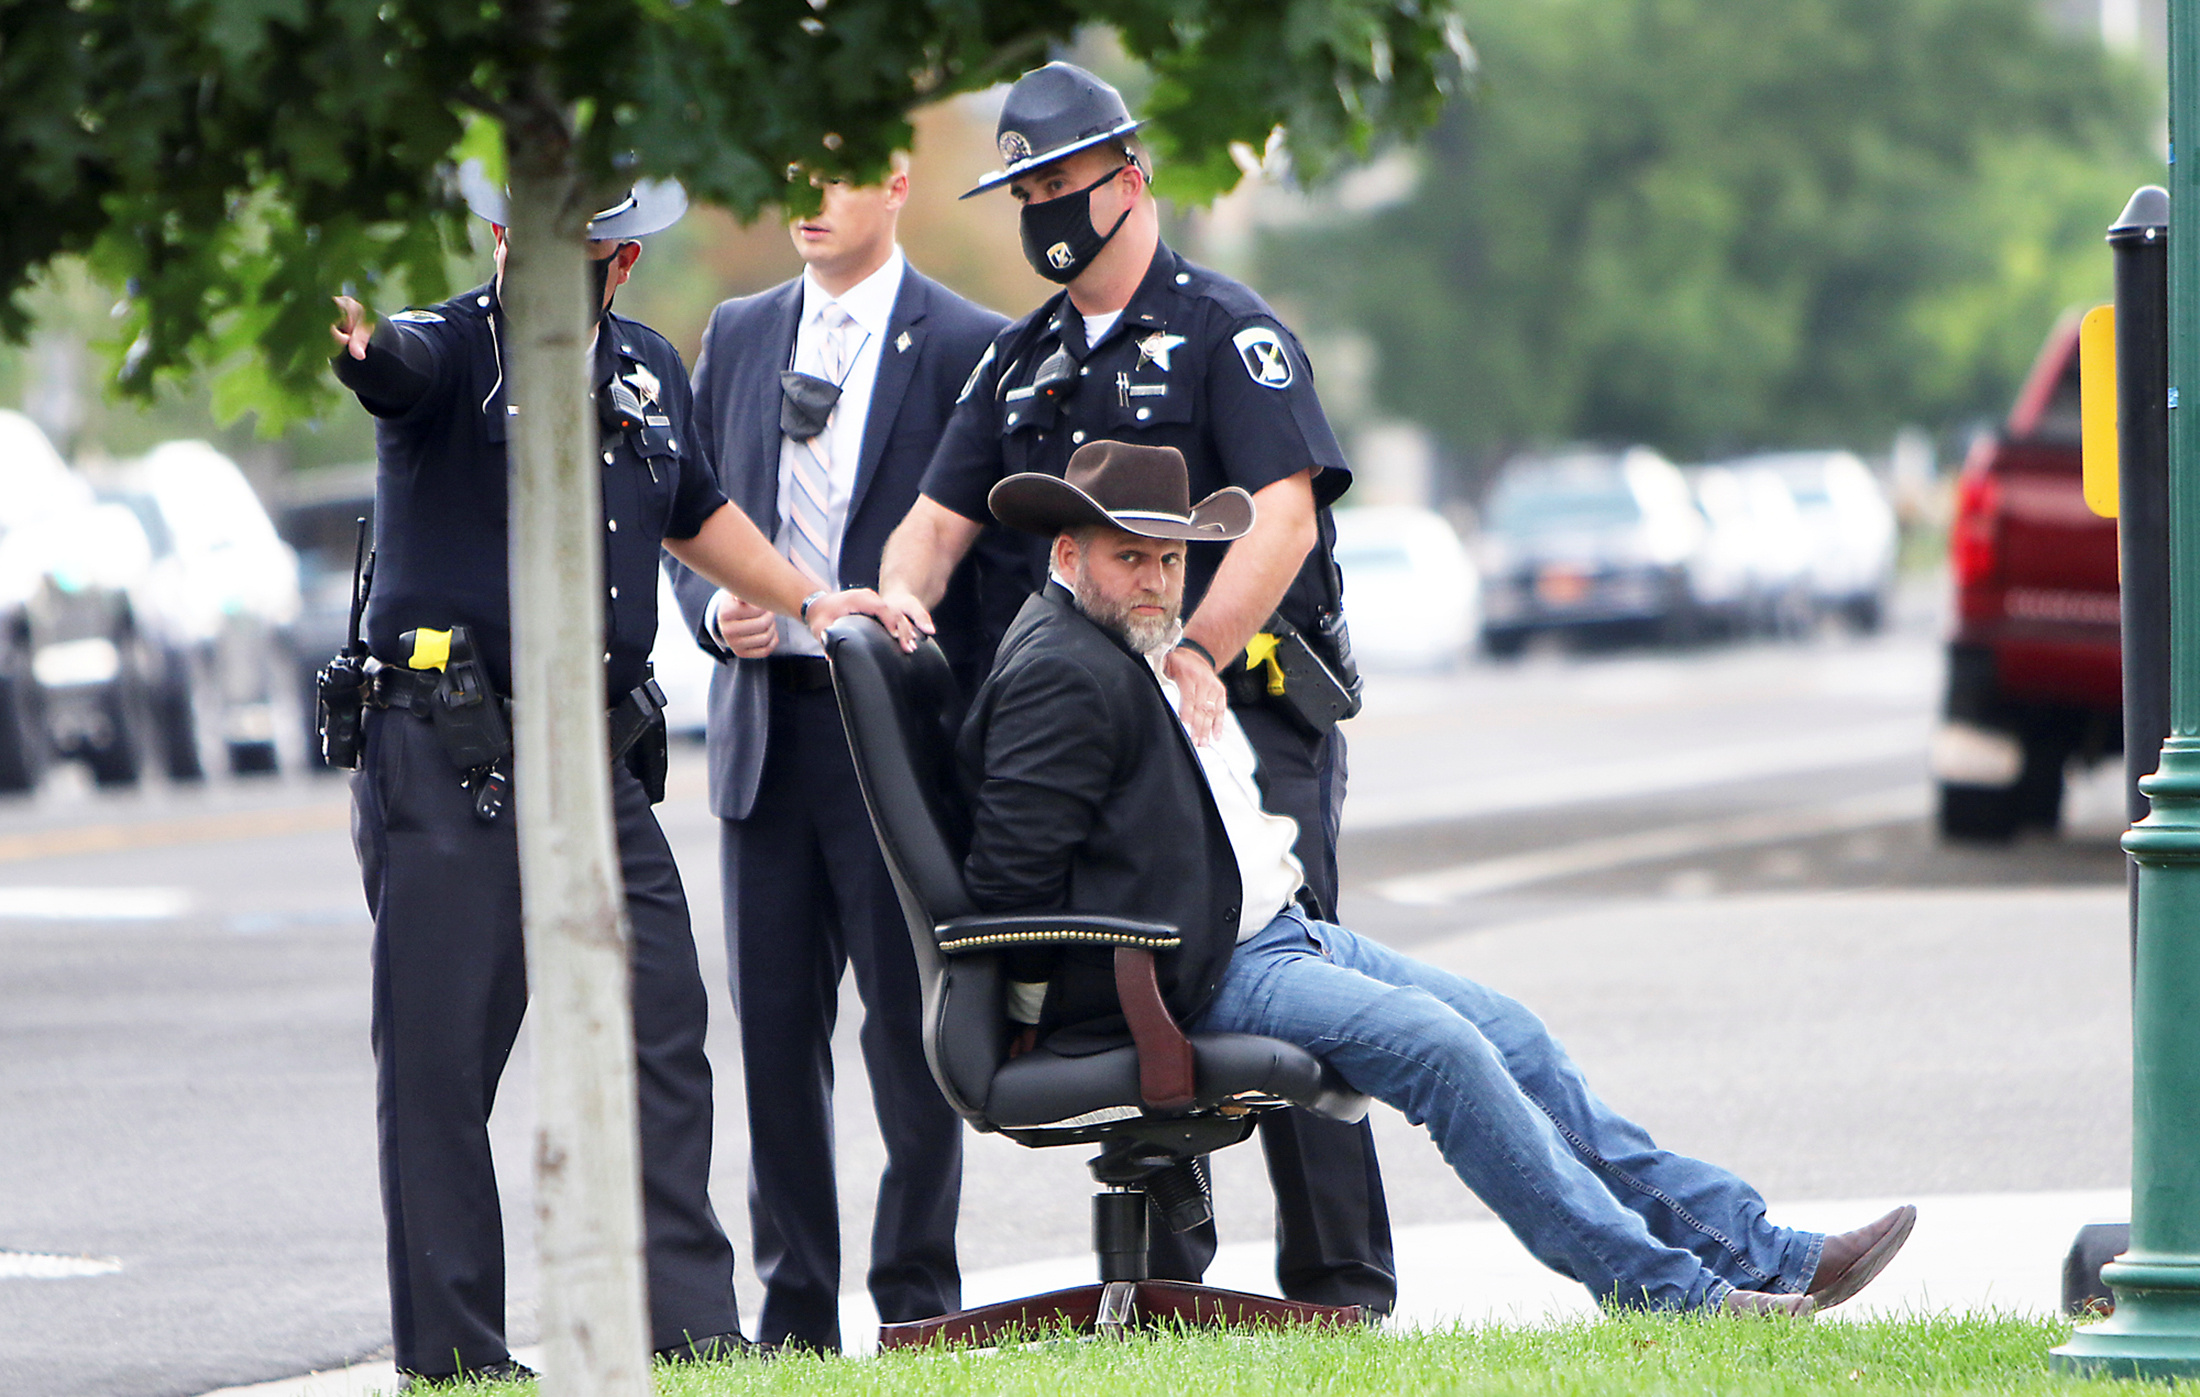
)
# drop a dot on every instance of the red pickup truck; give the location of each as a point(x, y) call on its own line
point(2034, 676)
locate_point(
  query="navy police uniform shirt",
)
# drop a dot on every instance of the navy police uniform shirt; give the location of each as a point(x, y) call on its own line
point(434, 379)
point(1195, 361)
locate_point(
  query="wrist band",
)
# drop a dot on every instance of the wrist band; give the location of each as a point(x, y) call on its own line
point(805, 613)
point(1187, 643)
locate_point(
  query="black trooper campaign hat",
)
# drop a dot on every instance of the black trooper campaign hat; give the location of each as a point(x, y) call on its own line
point(1052, 112)
point(651, 206)
point(1139, 489)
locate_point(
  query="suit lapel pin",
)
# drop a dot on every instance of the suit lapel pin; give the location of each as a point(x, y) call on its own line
point(901, 345)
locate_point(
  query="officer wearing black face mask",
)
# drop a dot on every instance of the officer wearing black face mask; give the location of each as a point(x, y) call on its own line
point(1143, 346)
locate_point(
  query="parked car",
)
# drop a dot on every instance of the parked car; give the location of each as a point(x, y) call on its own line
point(1849, 529)
point(1587, 541)
point(1750, 576)
point(2034, 668)
point(215, 605)
point(72, 662)
point(1412, 596)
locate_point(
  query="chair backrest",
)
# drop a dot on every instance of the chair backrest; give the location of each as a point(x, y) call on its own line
point(899, 709)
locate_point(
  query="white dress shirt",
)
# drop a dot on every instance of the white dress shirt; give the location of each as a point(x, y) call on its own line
point(1269, 872)
point(870, 304)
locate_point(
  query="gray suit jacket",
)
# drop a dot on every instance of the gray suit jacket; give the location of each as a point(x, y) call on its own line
point(748, 342)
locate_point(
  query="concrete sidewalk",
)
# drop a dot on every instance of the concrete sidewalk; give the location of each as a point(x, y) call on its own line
point(1971, 1252)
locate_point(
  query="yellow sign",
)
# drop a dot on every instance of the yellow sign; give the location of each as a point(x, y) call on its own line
point(2097, 406)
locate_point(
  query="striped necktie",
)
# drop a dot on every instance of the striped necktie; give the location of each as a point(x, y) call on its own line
point(809, 540)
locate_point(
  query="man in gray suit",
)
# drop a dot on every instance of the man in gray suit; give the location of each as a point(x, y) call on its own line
point(818, 403)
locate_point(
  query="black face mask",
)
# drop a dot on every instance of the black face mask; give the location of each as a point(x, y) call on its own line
point(1059, 239)
point(599, 277)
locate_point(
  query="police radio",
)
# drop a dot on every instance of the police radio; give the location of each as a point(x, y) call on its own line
point(340, 689)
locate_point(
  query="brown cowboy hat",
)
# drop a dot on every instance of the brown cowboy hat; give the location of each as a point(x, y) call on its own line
point(1139, 489)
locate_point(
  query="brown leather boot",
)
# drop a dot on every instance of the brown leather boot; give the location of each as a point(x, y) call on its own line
point(1758, 1302)
point(1850, 1260)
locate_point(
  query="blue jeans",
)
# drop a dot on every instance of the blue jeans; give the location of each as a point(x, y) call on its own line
point(1583, 1188)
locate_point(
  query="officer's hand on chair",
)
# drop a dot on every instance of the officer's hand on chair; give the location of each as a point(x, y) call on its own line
point(895, 617)
point(1202, 698)
point(353, 327)
point(918, 615)
point(750, 632)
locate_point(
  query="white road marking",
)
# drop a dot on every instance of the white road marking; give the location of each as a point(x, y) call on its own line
point(1674, 841)
point(93, 904)
point(1651, 774)
point(43, 1266)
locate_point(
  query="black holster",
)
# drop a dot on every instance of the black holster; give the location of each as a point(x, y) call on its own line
point(637, 727)
point(1297, 679)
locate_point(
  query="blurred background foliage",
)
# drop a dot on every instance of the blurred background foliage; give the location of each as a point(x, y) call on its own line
point(1713, 226)
point(1705, 225)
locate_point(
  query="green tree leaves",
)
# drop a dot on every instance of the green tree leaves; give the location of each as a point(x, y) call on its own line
point(232, 162)
point(1711, 226)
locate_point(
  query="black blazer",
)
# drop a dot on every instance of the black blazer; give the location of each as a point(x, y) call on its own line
point(736, 421)
point(1086, 796)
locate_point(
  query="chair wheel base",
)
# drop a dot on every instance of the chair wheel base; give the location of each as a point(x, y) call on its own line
point(1115, 1308)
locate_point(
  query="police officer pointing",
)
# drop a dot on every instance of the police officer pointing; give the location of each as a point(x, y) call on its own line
point(437, 851)
point(1145, 347)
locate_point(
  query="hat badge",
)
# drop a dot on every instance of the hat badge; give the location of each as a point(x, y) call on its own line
point(1014, 147)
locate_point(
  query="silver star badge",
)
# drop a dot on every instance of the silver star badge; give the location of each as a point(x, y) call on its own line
point(646, 384)
point(901, 343)
point(1154, 349)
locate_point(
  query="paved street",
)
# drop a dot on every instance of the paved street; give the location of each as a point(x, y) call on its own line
point(1710, 871)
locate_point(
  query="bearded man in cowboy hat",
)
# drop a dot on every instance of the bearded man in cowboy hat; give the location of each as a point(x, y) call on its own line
point(1144, 346)
point(1089, 795)
point(437, 852)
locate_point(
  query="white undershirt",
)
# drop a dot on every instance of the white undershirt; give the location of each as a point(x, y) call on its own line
point(1269, 873)
point(1098, 325)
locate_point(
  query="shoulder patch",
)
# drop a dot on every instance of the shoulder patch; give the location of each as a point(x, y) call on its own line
point(418, 317)
point(1265, 358)
point(970, 384)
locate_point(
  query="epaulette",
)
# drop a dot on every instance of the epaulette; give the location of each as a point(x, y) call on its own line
point(1236, 299)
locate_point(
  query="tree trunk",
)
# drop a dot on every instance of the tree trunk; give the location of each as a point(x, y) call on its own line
point(587, 1190)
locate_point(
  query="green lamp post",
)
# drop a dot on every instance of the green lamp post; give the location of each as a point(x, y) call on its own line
point(2155, 1331)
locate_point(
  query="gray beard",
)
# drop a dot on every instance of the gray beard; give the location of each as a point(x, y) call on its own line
point(1143, 637)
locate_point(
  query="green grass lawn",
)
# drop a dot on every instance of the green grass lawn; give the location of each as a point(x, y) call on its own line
point(1639, 1353)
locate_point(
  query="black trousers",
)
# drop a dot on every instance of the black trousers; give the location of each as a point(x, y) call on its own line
point(450, 987)
point(807, 896)
point(1332, 1221)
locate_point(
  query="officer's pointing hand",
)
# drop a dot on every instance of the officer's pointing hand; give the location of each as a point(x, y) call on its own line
point(353, 327)
point(750, 632)
point(892, 615)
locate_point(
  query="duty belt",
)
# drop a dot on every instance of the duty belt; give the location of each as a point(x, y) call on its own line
point(414, 690)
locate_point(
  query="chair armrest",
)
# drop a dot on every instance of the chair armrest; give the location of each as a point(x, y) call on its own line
point(993, 933)
point(1165, 1078)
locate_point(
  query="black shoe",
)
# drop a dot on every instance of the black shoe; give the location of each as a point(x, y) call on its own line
point(716, 1348)
point(509, 1370)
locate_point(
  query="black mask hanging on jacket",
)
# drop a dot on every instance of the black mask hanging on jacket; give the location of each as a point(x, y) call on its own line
point(1059, 239)
point(805, 404)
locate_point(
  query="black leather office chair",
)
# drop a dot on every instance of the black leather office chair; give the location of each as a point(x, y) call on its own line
point(1156, 1107)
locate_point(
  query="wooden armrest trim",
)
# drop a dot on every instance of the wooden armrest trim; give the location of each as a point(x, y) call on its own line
point(1165, 1077)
